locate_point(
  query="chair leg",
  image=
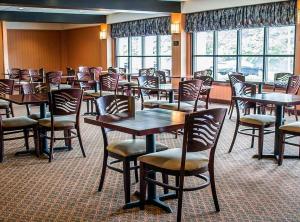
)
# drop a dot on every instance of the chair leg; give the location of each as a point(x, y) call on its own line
point(260, 142)
point(177, 184)
point(165, 180)
point(296, 113)
point(176, 134)
point(253, 137)
point(51, 146)
point(104, 166)
point(180, 196)
point(213, 188)
point(142, 187)
point(136, 173)
point(11, 110)
point(7, 112)
point(80, 141)
point(126, 178)
point(281, 148)
point(36, 141)
point(88, 106)
point(68, 142)
point(1, 147)
point(26, 134)
point(234, 137)
point(230, 106)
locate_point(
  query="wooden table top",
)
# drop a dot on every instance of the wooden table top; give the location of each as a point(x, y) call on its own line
point(144, 122)
point(26, 99)
point(272, 98)
point(168, 87)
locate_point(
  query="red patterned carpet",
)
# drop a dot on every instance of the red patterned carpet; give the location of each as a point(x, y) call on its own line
point(32, 189)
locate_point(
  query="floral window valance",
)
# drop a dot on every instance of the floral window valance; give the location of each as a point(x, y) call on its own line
point(144, 27)
point(252, 16)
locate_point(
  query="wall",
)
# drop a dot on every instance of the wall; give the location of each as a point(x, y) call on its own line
point(34, 49)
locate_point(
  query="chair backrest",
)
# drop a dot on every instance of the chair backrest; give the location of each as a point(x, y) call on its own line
point(202, 131)
point(70, 71)
point(14, 73)
point(65, 102)
point(95, 72)
point(149, 82)
point(109, 82)
point(34, 88)
point(6, 86)
point(189, 90)
point(35, 75)
point(161, 76)
point(206, 72)
point(147, 72)
point(24, 75)
point(293, 85)
point(281, 80)
point(53, 78)
point(244, 89)
point(83, 69)
point(84, 78)
point(206, 81)
point(114, 104)
point(167, 74)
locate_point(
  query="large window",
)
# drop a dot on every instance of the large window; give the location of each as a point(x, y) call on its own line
point(257, 52)
point(135, 53)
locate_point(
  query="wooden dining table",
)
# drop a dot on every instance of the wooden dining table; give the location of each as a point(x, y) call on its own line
point(146, 123)
point(279, 100)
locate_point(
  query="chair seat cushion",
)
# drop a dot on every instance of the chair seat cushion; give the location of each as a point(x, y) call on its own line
point(291, 127)
point(184, 106)
point(171, 159)
point(153, 103)
point(65, 86)
point(103, 93)
point(59, 122)
point(90, 91)
point(18, 122)
point(258, 119)
point(132, 147)
point(37, 116)
point(126, 83)
point(4, 104)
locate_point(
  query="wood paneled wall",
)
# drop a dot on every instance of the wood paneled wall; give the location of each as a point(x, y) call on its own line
point(34, 49)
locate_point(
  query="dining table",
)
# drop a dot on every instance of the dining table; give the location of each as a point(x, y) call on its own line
point(279, 100)
point(146, 123)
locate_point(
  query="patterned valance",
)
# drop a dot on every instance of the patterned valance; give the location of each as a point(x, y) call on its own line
point(252, 16)
point(144, 27)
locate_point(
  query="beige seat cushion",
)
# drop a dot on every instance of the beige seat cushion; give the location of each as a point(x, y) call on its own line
point(37, 116)
point(87, 92)
point(258, 119)
point(171, 159)
point(59, 122)
point(18, 122)
point(153, 103)
point(291, 127)
point(126, 83)
point(4, 104)
point(104, 93)
point(132, 147)
point(65, 86)
point(184, 107)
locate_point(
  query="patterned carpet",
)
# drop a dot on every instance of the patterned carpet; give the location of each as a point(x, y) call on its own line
point(31, 189)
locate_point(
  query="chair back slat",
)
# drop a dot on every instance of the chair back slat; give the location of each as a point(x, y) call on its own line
point(293, 85)
point(109, 82)
point(65, 101)
point(6, 87)
point(203, 129)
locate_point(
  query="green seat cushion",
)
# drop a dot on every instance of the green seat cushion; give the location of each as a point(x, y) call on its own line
point(132, 147)
point(18, 122)
point(4, 104)
point(37, 116)
point(59, 122)
point(258, 119)
point(291, 127)
point(171, 159)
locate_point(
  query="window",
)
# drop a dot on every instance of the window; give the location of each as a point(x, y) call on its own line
point(256, 52)
point(138, 52)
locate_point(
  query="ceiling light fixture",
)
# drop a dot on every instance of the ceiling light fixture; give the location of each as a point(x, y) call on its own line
point(103, 32)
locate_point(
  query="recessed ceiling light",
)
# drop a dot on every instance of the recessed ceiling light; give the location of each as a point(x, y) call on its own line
point(21, 8)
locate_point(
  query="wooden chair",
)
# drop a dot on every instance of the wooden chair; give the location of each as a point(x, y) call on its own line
point(293, 88)
point(35, 76)
point(31, 89)
point(147, 72)
point(281, 80)
point(14, 74)
point(70, 72)
point(124, 151)
point(256, 122)
point(206, 81)
point(6, 87)
point(83, 69)
point(287, 132)
point(206, 72)
point(201, 134)
point(149, 82)
point(95, 72)
point(233, 79)
point(189, 93)
point(168, 75)
point(24, 76)
point(108, 85)
point(53, 80)
point(64, 105)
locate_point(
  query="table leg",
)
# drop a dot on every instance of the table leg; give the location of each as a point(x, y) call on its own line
point(43, 139)
point(129, 78)
point(278, 123)
point(171, 96)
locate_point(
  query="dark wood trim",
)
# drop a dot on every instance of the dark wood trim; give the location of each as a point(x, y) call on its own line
point(51, 17)
point(148, 5)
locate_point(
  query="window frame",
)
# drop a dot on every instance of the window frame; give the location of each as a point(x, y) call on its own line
point(142, 56)
point(239, 54)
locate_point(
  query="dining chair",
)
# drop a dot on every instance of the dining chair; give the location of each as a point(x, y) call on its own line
point(95, 72)
point(24, 76)
point(35, 76)
point(196, 157)
point(233, 79)
point(162, 80)
point(293, 88)
point(83, 69)
point(6, 88)
point(14, 74)
point(108, 85)
point(125, 151)
point(168, 75)
point(53, 80)
point(206, 72)
point(281, 80)
point(31, 89)
point(188, 97)
point(286, 132)
point(64, 106)
point(147, 72)
point(255, 122)
point(149, 82)
point(17, 125)
point(207, 81)
point(70, 72)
